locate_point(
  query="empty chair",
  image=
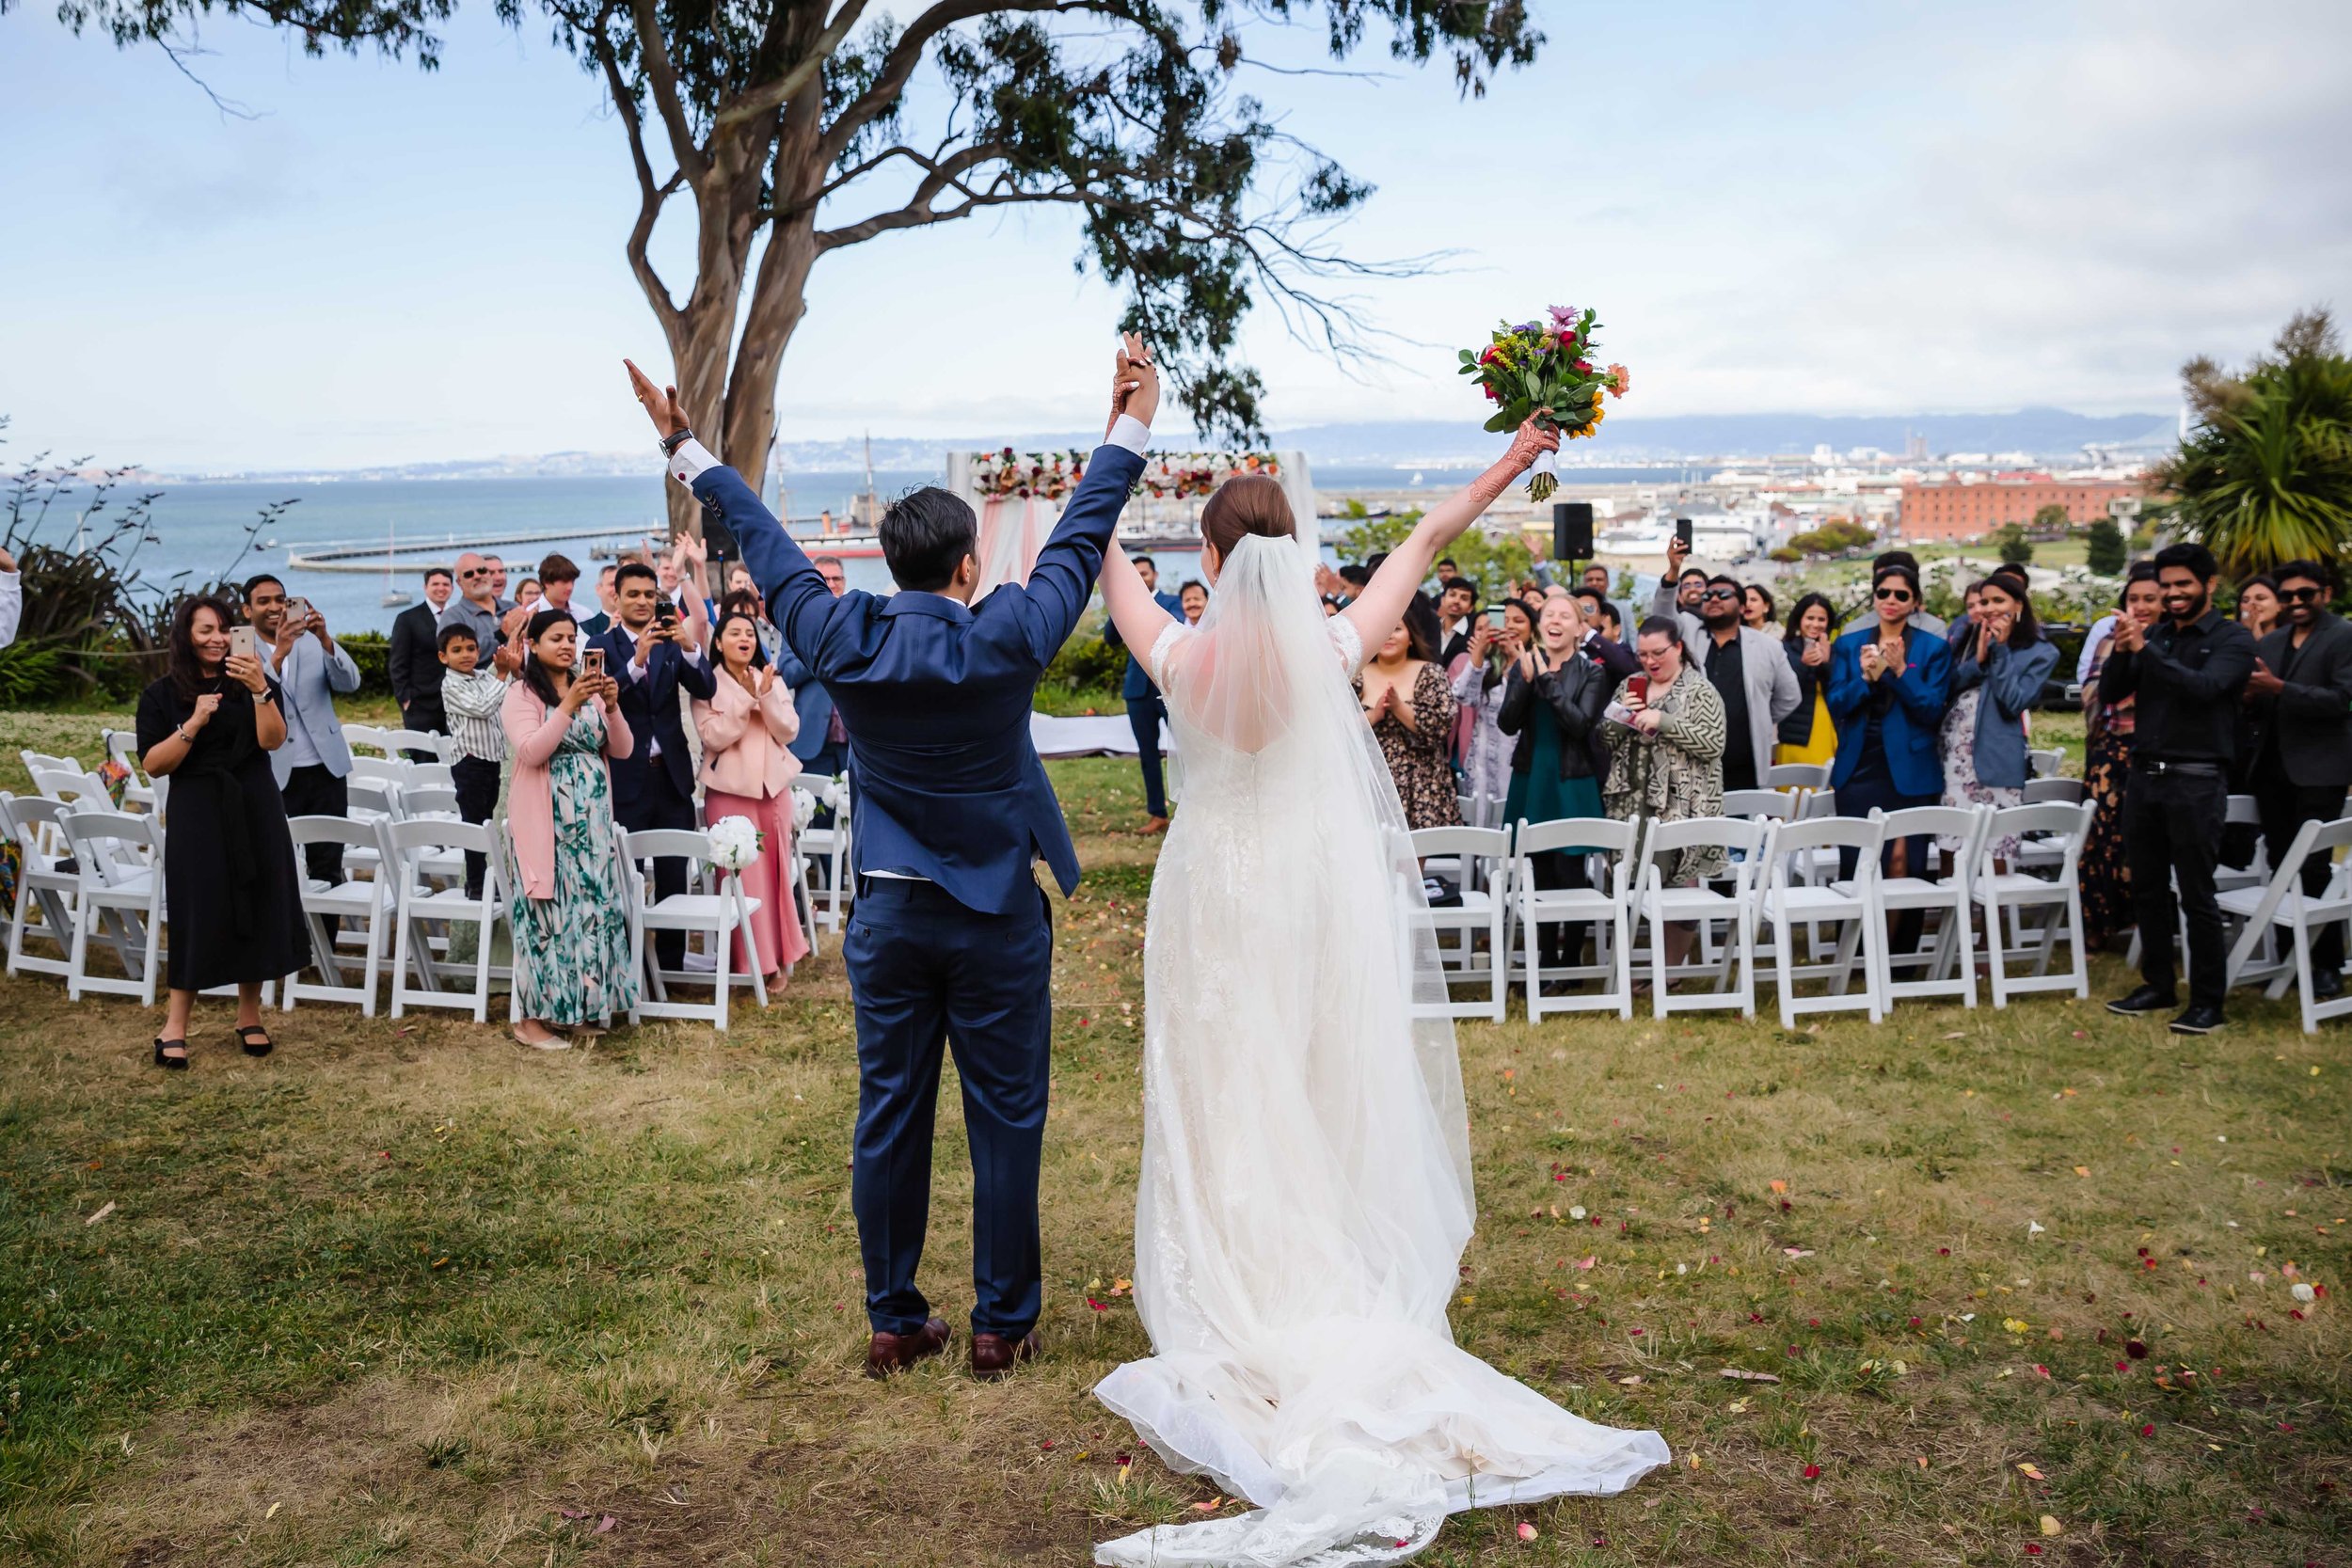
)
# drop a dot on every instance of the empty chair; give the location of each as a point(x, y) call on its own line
point(2241, 811)
point(2064, 792)
point(45, 883)
point(431, 775)
point(1789, 903)
point(1763, 803)
point(1606, 908)
point(407, 849)
point(722, 912)
point(827, 849)
point(391, 770)
point(2056, 898)
point(1729, 900)
point(34, 761)
point(1480, 856)
point(1951, 965)
point(399, 743)
point(2044, 764)
point(78, 787)
point(345, 908)
point(119, 880)
point(1797, 775)
point(2282, 903)
point(428, 801)
point(139, 790)
point(373, 737)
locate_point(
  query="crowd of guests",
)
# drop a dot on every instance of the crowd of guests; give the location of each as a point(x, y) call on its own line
point(563, 725)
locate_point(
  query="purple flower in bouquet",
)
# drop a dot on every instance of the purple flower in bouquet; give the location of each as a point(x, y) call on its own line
point(1563, 319)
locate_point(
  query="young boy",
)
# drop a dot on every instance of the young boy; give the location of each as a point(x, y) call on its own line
point(471, 699)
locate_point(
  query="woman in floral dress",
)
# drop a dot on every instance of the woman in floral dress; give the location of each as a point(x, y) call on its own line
point(573, 964)
point(1409, 705)
point(1999, 662)
point(1478, 689)
point(2107, 878)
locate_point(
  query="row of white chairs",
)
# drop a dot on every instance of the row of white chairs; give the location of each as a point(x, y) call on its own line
point(1771, 890)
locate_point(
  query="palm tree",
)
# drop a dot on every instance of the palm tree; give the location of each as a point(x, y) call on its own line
point(2266, 475)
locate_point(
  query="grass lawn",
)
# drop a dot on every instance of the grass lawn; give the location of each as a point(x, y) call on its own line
point(2012, 1285)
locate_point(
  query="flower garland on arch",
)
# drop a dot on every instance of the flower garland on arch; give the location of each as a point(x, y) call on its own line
point(1045, 475)
point(1185, 474)
point(1006, 474)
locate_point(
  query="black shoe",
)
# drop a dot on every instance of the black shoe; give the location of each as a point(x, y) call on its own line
point(255, 1039)
point(2199, 1021)
point(2327, 984)
point(174, 1064)
point(2147, 999)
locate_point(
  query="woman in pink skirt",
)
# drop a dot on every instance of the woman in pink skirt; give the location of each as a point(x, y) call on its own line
point(747, 771)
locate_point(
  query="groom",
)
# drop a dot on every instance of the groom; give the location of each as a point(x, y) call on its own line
point(953, 942)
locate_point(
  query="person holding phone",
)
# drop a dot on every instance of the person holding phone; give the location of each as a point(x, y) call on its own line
point(747, 727)
point(1887, 688)
point(313, 767)
point(1666, 757)
point(1552, 701)
point(1496, 641)
point(232, 902)
point(1809, 734)
point(573, 965)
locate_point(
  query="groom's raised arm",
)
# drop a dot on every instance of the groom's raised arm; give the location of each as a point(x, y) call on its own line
point(1063, 579)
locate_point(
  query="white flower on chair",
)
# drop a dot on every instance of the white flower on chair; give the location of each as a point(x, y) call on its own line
point(734, 843)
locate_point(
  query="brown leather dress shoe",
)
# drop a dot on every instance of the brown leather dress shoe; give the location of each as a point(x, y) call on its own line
point(994, 1356)
point(1155, 824)
point(887, 1352)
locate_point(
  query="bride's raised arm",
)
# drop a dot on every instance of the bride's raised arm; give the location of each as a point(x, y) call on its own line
point(1381, 605)
point(1139, 617)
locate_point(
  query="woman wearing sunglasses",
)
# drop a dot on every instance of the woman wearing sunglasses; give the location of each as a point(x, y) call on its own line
point(1888, 687)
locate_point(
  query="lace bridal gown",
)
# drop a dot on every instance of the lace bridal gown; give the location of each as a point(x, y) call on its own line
point(1306, 1187)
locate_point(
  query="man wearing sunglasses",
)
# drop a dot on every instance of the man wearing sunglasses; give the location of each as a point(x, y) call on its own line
point(2189, 672)
point(2301, 694)
point(475, 606)
point(1750, 673)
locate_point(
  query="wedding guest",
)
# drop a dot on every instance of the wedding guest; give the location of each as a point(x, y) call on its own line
point(1808, 735)
point(474, 696)
point(313, 766)
point(742, 591)
point(1750, 674)
point(824, 743)
point(413, 663)
point(1679, 589)
point(476, 608)
point(232, 901)
point(1996, 677)
point(601, 622)
point(11, 599)
point(2259, 611)
point(747, 726)
point(1598, 582)
point(2189, 672)
point(1920, 619)
point(1458, 602)
point(1887, 685)
point(1410, 708)
point(2300, 696)
point(1551, 705)
point(1145, 711)
point(573, 966)
point(1667, 765)
point(527, 595)
point(1478, 691)
point(2109, 724)
point(1756, 608)
point(655, 653)
point(2259, 605)
point(497, 565)
point(1194, 598)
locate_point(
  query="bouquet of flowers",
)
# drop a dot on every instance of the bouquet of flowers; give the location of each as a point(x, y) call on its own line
point(1543, 371)
point(734, 843)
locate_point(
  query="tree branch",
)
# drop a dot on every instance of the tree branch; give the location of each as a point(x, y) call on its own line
point(650, 195)
point(228, 107)
point(769, 97)
point(653, 54)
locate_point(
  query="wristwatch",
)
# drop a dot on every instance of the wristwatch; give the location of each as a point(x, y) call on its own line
point(670, 444)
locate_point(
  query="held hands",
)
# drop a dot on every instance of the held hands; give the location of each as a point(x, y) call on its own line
point(1134, 383)
point(661, 402)
point(245, 673)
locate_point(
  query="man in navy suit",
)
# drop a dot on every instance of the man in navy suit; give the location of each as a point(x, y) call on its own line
point(952, 941)
point(1145, 708)
point(653, 652)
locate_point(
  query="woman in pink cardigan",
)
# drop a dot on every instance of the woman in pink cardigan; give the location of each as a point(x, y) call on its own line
point(573, 964)
point(746, 728)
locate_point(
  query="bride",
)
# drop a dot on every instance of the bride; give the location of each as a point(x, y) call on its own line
point(1306, 1187)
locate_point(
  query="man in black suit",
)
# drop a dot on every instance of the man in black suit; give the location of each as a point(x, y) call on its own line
point(653, 652)
point(416, 659)
point(1458, 607)
point(2301, 695)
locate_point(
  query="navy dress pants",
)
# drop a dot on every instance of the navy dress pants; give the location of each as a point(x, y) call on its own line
point(1143, 717)
point(928, 973)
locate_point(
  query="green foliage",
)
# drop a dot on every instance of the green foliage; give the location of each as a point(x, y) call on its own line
point(2049, 522)
point(1835, 537)
point(1086, 673)
point(2266, 475)
point(372, 650)
point(2104, 551)
point(1787, 555)
point(1491, 562)
point(2015, 548)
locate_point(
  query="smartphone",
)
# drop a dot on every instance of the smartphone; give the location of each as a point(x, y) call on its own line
point(1638, 686)
point(1682, 531)
point(298, 611)
point(665, 614)
point(1494, 617)
point(241, 643)
point(595, 661)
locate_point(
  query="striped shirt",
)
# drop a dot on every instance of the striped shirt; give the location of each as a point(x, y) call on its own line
point(472, 703)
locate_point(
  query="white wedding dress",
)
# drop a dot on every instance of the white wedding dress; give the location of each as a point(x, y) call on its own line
point(1306, 1187)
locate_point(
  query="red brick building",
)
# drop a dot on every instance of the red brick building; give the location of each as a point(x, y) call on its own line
point(1973, 511)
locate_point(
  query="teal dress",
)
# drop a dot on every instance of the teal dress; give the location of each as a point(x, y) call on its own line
point(572, 959)
point(1540, 794)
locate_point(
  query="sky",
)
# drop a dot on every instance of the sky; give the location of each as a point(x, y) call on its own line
point(1828, 207)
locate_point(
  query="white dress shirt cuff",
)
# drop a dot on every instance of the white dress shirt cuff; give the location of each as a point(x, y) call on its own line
point(1126, 431)
point(692, 458)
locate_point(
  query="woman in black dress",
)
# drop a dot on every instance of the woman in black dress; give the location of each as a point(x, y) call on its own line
point(229, 888)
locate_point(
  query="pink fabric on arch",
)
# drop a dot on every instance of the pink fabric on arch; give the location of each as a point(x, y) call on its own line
point(534, 730)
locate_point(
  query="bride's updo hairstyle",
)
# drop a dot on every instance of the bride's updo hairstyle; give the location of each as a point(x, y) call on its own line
point(1245, 504)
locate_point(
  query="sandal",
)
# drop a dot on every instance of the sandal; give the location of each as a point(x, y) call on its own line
point(175, 1064)
point(255, 1039)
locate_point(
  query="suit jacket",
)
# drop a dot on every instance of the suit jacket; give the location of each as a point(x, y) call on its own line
point(1136, 684)
point(2310, 724)
point(811, 703)
point(744, 741)
point(1663, 603)
point(1771, 689)
point(308, 681)
point(937, 694)
point(416, 667)
point(651, 707)
point(1907, 728)
point(2011, 681)
point(1617, 661)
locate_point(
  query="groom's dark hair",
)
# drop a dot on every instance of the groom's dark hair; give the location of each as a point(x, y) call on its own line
point(925, 536)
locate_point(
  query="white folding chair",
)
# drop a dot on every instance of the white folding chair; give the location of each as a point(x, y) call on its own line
point(1763, 804)
point(44, 882)
point(1482, 856)
point(1951, 964)
point(719, 914)
point(2241, 811)
point(431, 775)
point(1797, 775)
point(77, 787)
point(399, 743)
point(36, 761)
point(2282, 903)
point(1853, 903)
point(2057, 898)
point(2046, 764)
point(2063, 792)
point(359, 908)
point(428, 801)
point(407, 849)
point(1606, 907)
point(1730, 900)
point(828, 846)
point(386, 770)
point(139, 790)
point(120, 875)
point(373, 737)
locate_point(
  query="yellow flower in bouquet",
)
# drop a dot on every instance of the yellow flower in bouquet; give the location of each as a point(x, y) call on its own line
point(1543, 371)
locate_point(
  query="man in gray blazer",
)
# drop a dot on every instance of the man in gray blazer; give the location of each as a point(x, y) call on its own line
point(1750, 672)
point(314, 763)
point(2301, 696)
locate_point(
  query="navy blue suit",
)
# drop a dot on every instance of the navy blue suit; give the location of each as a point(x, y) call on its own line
point(1895, 763)
point(1145, 709)
point(948, 790)
point(650, 791)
